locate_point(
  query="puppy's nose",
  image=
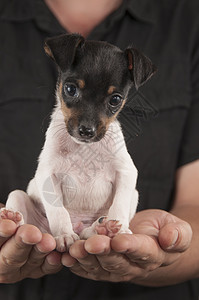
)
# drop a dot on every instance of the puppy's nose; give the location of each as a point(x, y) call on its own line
point(87, 132)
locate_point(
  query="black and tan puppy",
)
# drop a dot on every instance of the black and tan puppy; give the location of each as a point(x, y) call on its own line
point(84, 183)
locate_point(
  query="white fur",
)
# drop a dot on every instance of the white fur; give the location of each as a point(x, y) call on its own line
point(77, 182)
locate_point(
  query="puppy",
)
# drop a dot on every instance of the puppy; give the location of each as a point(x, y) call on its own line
point(85, 183)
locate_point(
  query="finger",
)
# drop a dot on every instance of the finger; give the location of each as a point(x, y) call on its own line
point(40, 250)
point(77, 269)
point(77, 249)
point(87, 261)
point(67, 260)
point(7, 229)
point(175, 237)
point(52, 263)
point(117, 265)
point(98, 244)
point(105, 264)
point(33, 266)
point(14, 253)
point(81, 251)
point(139, 248)
point(112, 266)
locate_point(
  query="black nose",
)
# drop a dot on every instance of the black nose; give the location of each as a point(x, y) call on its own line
point(87, 132)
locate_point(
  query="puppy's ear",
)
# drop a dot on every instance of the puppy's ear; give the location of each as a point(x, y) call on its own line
point(140, 66)
point(62, 49)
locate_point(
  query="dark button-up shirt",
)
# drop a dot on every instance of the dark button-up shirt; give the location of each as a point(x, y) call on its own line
point(160, 121)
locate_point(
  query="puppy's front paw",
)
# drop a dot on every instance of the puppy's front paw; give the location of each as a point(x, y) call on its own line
point(14, 216)
point(64, 241)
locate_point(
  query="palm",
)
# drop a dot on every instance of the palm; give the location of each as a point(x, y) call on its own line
point(127, 257)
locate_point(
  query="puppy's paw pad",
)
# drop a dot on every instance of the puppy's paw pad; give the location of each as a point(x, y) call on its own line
point(64, 241)
point(113, 227)
point(14, 216)
point(109, 228)
point(100, 226)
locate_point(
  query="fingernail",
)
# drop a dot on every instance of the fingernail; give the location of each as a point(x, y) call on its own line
point(39, 250)
point(54, 259)
point(26, 242)
point(69, 265)
point(175, 238)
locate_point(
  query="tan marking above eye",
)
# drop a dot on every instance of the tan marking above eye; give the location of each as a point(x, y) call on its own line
point(111, 89)
point(81, 83)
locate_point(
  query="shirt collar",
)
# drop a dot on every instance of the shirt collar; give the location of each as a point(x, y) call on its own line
point(30, 10)
point(143, 10)
point(12, 11)
point(45, 19)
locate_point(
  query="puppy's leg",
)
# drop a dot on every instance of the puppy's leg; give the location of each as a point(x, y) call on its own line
point(15, 209)
point(134, 203)
point(125, 199)
point(122, 209)
point(57, 215)
point(21, 209)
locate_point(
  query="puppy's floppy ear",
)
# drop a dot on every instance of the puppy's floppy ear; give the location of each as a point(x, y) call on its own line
point(62, 49)
point(140, 66)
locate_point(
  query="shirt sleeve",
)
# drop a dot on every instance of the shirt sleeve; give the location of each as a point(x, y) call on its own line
point(189, 150)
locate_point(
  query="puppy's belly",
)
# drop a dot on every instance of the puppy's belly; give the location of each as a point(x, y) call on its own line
point(88, 202)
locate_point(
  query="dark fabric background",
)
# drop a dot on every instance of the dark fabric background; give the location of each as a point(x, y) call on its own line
point(167, 32)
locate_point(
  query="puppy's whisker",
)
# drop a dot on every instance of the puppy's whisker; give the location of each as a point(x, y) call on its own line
point(58, 126)
point(59, 132)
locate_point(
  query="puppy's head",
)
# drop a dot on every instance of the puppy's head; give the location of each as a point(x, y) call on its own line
point(95, 78)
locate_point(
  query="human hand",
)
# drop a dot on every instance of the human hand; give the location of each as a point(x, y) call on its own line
point(26, 252)
point(159, 240)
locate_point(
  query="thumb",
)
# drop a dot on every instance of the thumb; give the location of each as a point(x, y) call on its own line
point(175, 236)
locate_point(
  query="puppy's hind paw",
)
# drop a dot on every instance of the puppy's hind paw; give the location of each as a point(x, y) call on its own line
point(15, 216)
point(64, 241)
point(115, 227)
point(111, 227)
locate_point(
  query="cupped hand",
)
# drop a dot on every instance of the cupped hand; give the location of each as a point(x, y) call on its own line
point(159, 239)
point(26, 252)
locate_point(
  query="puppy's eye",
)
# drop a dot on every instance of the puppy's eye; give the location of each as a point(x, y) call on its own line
point(71, 90)
point(115, 100)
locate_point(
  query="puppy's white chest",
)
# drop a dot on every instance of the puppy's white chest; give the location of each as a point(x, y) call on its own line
point(87, 176)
